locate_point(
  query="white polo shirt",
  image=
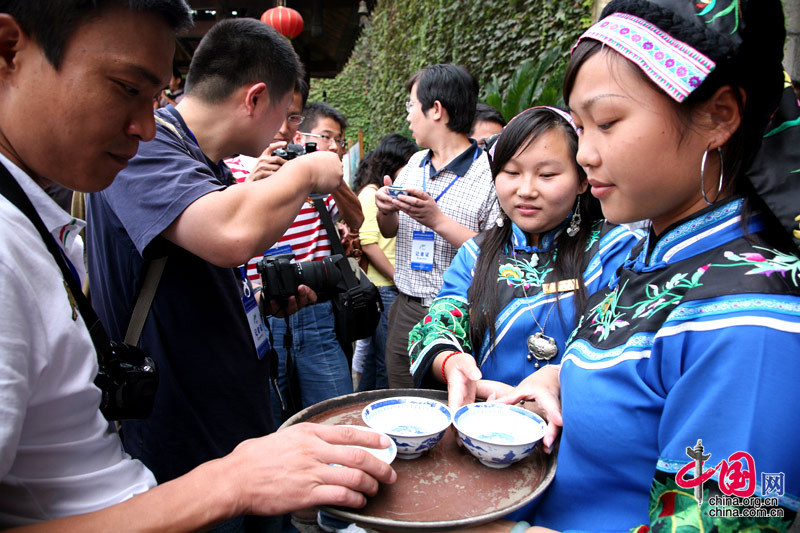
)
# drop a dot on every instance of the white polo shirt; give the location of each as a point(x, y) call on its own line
point(58, 455)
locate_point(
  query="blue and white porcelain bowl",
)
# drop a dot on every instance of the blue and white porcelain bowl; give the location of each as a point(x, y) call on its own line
point(414, 424)
point(498, 434)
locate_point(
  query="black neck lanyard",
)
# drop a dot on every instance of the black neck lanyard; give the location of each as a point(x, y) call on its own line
point(14, 193)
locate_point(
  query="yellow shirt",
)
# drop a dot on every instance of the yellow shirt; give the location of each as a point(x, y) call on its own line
point(369, 233)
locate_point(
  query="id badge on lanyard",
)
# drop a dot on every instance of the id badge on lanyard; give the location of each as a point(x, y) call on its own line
point(422, 250)
point(284, 249)
point(422, 243)
point(254, 318)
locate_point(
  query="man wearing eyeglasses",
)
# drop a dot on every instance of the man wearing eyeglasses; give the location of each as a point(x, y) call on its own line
point(325, 126)
point(246, 168)
point(321, 364)
point(449, 198)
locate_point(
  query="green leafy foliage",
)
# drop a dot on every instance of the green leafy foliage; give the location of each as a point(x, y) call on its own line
point(492, 40)
point(533, 83)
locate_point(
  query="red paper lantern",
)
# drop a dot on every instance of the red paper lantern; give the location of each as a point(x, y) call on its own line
point(286, 20)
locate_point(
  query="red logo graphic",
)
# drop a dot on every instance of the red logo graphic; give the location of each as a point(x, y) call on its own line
point(737, 474)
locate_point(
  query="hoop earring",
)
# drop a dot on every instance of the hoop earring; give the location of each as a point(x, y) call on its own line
point(575, 223)
point(703, 175)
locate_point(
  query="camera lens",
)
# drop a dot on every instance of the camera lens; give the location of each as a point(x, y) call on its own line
point(321, 276)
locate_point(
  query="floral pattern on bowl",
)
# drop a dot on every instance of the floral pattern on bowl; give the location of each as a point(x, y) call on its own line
point(498, 434)
point(415, 424)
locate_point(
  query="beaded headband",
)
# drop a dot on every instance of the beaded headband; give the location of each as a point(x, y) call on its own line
point(677, 68)
point(563, 114)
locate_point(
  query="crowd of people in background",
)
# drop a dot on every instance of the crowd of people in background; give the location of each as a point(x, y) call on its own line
point(627, 267)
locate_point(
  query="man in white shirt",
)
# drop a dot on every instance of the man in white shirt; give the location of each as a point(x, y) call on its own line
point(76, 90)
point(449, 199)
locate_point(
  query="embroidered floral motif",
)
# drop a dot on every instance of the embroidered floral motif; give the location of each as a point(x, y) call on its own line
point(660, 298)
point(605, 317)
point(780, 262)
point(708, 6)
point(510, 272)
point(447, 319)
point(608, 315)
point(593, 238)
point(522, 273)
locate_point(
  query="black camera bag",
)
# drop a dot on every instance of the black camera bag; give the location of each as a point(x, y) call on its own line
point(356, 310)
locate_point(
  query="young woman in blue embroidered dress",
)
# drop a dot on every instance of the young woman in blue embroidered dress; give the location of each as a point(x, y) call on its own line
point(509, 297)
point(697, 336)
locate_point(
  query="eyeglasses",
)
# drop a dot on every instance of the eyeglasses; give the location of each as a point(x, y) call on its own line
point(328, 139)
point(410, 105)
point(295, 120)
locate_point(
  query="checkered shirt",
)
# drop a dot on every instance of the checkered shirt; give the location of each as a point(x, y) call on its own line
point(471, 201)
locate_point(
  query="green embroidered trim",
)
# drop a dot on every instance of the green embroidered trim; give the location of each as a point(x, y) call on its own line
point(447, 318)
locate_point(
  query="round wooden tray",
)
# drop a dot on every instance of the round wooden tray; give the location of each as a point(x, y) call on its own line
point(447, 487)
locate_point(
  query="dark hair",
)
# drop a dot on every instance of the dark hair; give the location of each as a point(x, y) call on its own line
point(519, 134)
point(238, 52)
point(52, 23)
point(362, 178)
point(391, 154)
point(301, 86)
point(454, 87)
point(754, 67)
point(317, 110)
point(487, 113)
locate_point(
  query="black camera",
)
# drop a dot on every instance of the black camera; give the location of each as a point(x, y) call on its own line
point(356, 302)
point(280, 277)
point(128, 379)
point(295, 150)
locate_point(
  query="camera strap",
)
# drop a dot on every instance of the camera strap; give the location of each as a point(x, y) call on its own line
point(273, 369)
point(294, 400)
point(14, 193)
point(336, 243)
point(327, 222)
point(291, 403)
point(349, 274)
point(146, 294)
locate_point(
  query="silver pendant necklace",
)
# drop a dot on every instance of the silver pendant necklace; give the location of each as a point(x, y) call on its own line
point(540, 346)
